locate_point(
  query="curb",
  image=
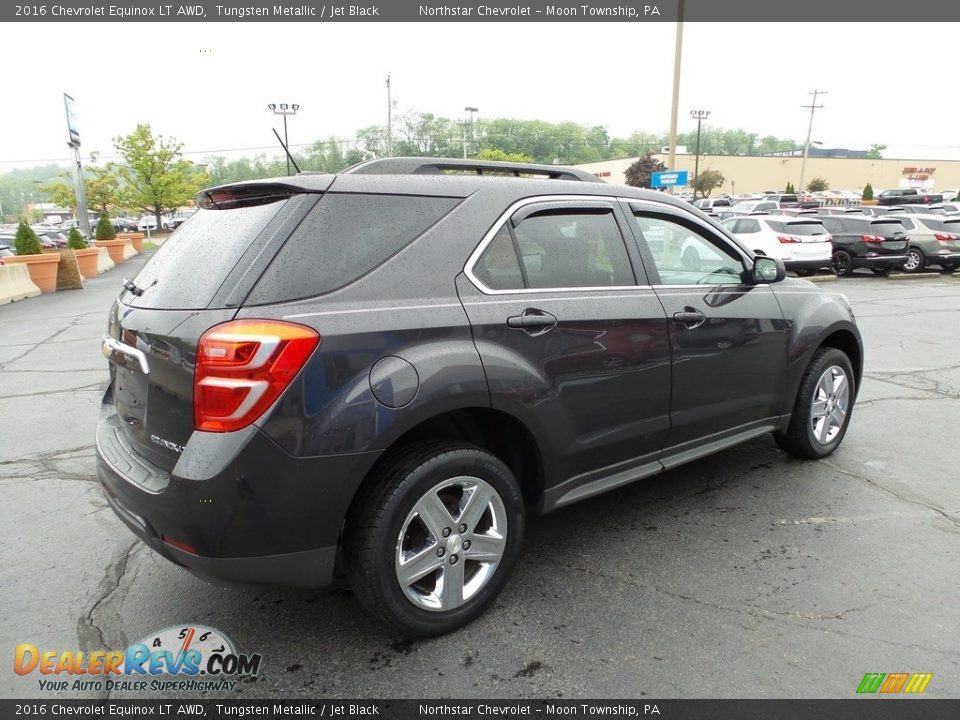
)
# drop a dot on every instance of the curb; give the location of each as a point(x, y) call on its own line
point(820, 278)
point(915, 276)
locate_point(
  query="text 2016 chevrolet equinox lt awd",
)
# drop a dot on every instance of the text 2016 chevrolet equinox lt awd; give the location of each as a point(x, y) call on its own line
point(392, 366)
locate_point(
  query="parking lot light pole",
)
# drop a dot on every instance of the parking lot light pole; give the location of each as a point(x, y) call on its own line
point(285, 109)
point(699, 116)
point(470, 110)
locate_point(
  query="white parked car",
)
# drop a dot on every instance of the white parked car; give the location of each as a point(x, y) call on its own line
point(175, 220)
point(753, 207)
point(802, 242)
point(147, 222)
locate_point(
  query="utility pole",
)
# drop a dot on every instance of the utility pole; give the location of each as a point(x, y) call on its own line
point(806, 146)
point(699, 116)
point(677, 53)
point(389, 120)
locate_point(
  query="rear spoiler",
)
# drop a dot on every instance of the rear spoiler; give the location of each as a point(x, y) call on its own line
point(227, 197)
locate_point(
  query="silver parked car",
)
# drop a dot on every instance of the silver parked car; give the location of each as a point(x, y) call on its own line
point(934, 240)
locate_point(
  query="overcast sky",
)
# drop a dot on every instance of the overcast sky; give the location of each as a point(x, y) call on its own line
point(208, 84)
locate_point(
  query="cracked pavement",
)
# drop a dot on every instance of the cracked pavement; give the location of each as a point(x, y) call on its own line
point(748, 574)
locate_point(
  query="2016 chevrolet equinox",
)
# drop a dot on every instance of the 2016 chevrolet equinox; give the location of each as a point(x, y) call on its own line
point(401, 360)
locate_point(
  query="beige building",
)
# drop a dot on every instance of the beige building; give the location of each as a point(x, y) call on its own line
point(757, 174)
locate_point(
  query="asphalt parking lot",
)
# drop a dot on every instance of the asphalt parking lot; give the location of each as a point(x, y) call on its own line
point(747, 574)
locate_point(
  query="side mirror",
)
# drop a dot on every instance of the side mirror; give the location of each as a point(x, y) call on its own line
point(768, 270)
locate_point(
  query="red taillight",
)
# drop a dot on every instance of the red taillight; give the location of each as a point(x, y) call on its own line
point(788, 239)
point(945, 237)
point(872, 238)
point(179, 544)
point(242, 368)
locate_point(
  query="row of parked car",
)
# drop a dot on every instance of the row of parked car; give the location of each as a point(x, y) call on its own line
point(53, 236)
point(842, 239)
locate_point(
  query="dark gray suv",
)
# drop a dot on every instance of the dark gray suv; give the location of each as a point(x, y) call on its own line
point(400, 361)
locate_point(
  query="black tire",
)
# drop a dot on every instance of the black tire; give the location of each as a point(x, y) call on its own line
point(882, 271)
point(800, 438)
point(916, 260)
point(948, 267)
point(805, 273)
point(842, 263)
point(373, 535)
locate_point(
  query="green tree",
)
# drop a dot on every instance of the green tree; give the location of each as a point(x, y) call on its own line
point(638, 174)
point(153, 174)
point(26, 241)
point(105, 229)
point(102, 187)
point(75, 240)
point(60, 194)
point(100, 184)
point(876, 152)
point(818, 184)
point(790, 190)
point(708, 181)
point(868, 192)
point(501, 156)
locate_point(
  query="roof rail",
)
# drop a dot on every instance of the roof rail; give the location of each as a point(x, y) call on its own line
point(439, 166)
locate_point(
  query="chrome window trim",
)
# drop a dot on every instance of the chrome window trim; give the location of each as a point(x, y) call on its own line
point(505, 218)
point(612, 199)
point(731, 242)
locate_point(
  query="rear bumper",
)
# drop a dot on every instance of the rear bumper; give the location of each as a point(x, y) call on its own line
point(938, 258)
point(807, 264)
point(245, 511)
point(880, 261)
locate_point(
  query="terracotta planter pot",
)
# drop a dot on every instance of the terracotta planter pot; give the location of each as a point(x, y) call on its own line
point(135, 238)
point(87, 260)
point(43, 269)
point(114, 247)
point(869, 202)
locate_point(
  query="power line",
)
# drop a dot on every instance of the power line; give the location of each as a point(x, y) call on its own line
point(354, 141)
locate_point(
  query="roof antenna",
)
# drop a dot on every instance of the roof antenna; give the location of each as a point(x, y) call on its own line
point(289, 156)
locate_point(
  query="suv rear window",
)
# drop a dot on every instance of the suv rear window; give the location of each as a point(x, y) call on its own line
point(887, 228)
point(344, 237)
point(797, 228)
point(188, 269)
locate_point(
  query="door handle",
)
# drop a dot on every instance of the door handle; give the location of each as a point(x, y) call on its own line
point(532, 321)
point(690, 318)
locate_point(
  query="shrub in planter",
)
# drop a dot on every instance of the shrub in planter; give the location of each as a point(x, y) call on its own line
point(26, 240)
point(41, 266)
point(86, 256)
point(868, 192)
point(75, 240)
point(105, 229)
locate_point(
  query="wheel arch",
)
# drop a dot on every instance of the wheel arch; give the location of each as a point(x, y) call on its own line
point(845, 341)
point(493, 430)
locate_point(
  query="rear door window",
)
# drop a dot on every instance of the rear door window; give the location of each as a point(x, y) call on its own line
point(344, 237)
point(556, 248)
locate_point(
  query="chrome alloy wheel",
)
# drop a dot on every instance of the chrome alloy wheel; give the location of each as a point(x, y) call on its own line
point(830, 404)
point(913, 261)
point(451, 543)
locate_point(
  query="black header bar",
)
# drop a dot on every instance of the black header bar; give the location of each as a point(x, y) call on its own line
point(491, 11)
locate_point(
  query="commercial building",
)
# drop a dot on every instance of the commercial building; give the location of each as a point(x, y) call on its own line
point(755, 174)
